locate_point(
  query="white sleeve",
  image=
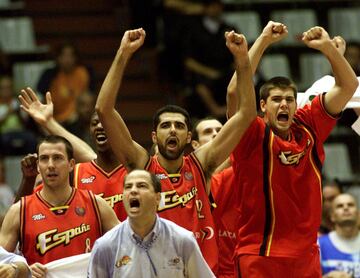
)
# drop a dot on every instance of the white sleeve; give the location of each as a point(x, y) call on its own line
point(196, 264)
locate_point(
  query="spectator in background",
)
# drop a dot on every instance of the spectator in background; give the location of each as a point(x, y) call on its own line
point(84, 110)
point(208, 63)
point(179, 17)
point(330, 190)
point(66, 81)
point(6, 193)
point(14, 138)
point(352, 55)
point(340, 248)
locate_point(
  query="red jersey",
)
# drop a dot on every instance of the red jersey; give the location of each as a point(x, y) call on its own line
point(89, 175)
point(185, 202)
point(50, 233)
point(280, 184)
point(226, 218)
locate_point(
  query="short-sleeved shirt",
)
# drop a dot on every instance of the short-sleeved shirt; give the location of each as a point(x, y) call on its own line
point(280, 184)
point(167, 251)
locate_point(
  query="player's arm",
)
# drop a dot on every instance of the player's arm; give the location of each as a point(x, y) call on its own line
point(29, 174)
point(107, 215)
point(43, 115)
point(345, 78)
point(272, 32)
point(212, 154)
point(131, 154)
point(7, 270)
point(10, 229)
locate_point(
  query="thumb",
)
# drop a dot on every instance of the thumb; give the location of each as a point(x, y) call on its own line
point(48, 98)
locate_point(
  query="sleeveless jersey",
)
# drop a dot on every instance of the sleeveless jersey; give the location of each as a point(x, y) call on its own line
point(226, 218)
point(280, 184)
point(109, 186)
point(185, 202)
point(50, 233)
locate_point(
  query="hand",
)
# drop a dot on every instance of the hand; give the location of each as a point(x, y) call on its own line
point(274, 31)
point(132, 40)
point(7, 271)
point(31, 104)
point(339, 44)
point(317, 38)
point(238, 47)
point(28, 165)
point(38, 270)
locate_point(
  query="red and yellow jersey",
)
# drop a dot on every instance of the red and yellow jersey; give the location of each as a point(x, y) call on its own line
point(280, 184)
point(185, 202)
point(226, 218)
point(50, 233)
point(109, 186)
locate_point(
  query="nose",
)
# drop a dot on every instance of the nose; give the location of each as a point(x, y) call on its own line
point(172, 128)
point(214, 133)
point(51, 163)
point(99, 125)
point(283, 102)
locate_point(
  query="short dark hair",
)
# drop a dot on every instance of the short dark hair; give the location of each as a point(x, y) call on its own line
point(53, 139)
point(277, 82)
point(171, 109)
point(194, 132)
point(155, 181)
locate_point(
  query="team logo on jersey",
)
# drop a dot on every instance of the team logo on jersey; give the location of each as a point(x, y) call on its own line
point(188, 176)
point(80, 211)
point(161, 176)
point(170, 199)
point(206, 233)
point(123, 261)
point(288, 158)
point(38, 216)
point(52, 238)
point(174, 261)
point(88, 180)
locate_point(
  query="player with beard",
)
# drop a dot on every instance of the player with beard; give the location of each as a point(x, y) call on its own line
point(102, 173)
point(184, 179)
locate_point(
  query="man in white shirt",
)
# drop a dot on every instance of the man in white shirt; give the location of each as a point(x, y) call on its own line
point(145, 245)
point(340, 249)
point(12, 265)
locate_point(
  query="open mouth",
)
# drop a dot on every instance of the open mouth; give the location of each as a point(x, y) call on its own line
point(171, 143)
point(101, 137)
point(134, 203)
point(283, 117)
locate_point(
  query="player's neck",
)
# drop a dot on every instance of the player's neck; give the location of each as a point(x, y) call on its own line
point(171, 166)
point(107, 161)
point(56, 196)
point(347, 232)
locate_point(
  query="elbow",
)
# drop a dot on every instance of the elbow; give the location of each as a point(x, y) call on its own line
point(99, 109)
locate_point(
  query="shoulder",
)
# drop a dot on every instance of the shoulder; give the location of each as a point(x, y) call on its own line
point(175, 230)
point(111, 236)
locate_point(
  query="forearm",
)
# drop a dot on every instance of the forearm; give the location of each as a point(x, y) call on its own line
point(345, 82)
point(255, 54)
point(245, 89)
point(82, 151)
point(26, 187)
point(108, 93)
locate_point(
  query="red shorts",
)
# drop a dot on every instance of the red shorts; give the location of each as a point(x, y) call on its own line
point(252, 266)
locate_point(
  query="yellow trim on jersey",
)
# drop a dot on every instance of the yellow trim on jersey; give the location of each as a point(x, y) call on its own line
point(271, 194)
point(60, 207)
point(76, 175)
point(174, 175)
point(316, 170)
